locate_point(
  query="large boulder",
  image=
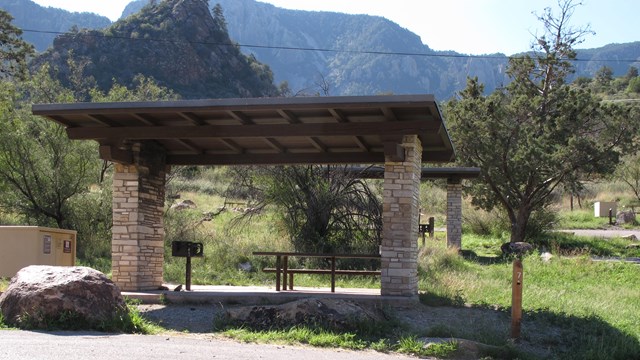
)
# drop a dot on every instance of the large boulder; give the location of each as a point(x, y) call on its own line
point(625, 217)
point(39, 297)
point(516, 248)
point(332, 313)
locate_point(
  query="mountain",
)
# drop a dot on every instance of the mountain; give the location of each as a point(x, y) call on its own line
point(615, 56)
point(175, 42)
point(348, 72)
point(352, 72)
point(361, 67)
point(31, 16)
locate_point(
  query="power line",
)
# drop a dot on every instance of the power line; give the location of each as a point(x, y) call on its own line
point(294, 48)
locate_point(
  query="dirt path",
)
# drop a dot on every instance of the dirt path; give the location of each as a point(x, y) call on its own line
point(609, 233)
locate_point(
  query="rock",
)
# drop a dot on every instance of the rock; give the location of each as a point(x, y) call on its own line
point(631, 237)
point(245, 266)
point(467, 349)
point(516, 248)
point(341, 315)
point(546, 256)
point(39, 295)
point(183, 205)
point(625, 217)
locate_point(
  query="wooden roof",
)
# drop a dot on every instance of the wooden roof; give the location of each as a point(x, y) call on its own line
point(456, 173)
point(320, 130)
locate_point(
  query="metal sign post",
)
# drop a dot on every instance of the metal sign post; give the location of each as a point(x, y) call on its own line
point(188, 250)
point(516, 299)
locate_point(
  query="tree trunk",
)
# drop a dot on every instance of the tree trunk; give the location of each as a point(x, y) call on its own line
point(519, 227)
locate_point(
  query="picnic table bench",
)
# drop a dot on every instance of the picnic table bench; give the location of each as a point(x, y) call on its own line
point(283, 271)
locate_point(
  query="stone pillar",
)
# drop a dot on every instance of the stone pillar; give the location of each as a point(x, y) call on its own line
point(400, 218)
point(454, 213)
point(137, 247)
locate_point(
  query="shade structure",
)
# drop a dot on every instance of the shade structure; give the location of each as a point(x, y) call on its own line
point(262, 131)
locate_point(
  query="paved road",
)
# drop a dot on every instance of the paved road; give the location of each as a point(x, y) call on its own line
point(16, 344)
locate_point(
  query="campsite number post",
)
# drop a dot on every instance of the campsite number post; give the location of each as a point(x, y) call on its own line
point(516, 298)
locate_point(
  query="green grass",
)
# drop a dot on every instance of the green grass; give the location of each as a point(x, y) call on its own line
point(407, 344)
point(581, 308)
point(129, 321)
point(581, 219)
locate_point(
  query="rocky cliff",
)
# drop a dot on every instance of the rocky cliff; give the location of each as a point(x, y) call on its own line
point(31, 16)
point(177, 42)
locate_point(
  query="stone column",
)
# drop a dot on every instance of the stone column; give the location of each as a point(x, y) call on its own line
point(454, 213)
point(400, 218)
point(137, 247)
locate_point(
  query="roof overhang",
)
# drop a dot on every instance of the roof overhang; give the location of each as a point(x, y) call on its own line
point(319, 130)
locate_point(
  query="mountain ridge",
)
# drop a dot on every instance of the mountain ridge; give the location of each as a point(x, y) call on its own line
point(190, 63)
point(279, 34)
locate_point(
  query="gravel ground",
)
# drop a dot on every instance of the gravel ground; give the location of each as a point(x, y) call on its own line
point(484, 325)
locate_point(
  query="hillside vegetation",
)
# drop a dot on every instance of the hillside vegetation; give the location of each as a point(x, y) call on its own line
point(176, 42)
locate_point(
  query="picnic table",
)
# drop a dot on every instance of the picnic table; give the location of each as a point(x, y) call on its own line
point(284, 273)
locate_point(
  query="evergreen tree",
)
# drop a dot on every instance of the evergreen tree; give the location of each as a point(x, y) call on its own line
point(538, 132)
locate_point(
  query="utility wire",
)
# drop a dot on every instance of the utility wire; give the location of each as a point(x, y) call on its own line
point(294, 48)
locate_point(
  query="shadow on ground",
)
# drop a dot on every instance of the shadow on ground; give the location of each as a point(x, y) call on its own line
point(545, 334)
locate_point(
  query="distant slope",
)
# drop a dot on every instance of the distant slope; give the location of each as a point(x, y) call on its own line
point(173, 42)
point(615, 56)
point(347, 73)
point(351, 72)
point(29, 15)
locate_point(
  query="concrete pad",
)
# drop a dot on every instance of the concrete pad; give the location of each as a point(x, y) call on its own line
point(255, 295)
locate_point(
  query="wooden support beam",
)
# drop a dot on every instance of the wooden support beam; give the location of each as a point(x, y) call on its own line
point(240, 117)
point(338, 115)
point(101, 119)
point(289, 116)
point(274, 144)
point(318, 144)
point(389, 114)
point(276, 159)
point(145, 119)
point(394, 152)
point(232, 145)
point(397, 128)
point(114, 154)
point(193, 118)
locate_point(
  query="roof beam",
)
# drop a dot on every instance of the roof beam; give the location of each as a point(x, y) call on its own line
point(114, 154)
point(193, 118)
point(277, 159)
point(256, 131)
point(232, 145)
point(101, 119)
point(318, 144)
point(145, 119)
point(289, 116)
point(389, 114)
point(242, 118)
point(338, 115)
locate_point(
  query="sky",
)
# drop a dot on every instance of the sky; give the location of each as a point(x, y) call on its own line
point(465, 26)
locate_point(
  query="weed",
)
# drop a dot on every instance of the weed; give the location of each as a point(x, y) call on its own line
point(411, 345)
point(3, 324)
point(4, 284)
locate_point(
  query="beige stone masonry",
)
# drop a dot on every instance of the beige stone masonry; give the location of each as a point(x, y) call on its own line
point(454, 213)
point(138, 230)
point(400, 213)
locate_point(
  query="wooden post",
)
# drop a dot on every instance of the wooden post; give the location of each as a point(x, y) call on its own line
point(516, 299)
point(333, 274)
point(285, 268)
point(432, 227)
point(278, 273)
